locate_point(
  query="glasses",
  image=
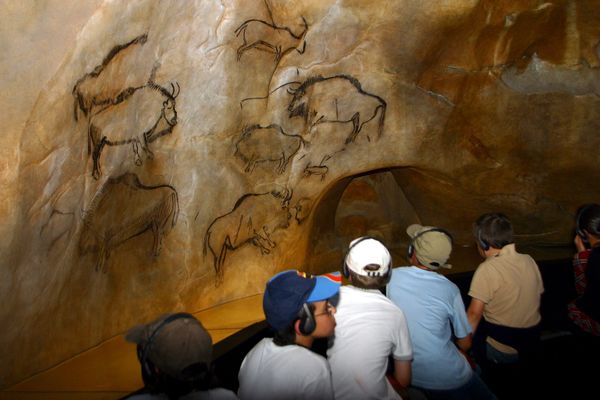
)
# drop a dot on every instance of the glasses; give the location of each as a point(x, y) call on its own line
point(329, 311)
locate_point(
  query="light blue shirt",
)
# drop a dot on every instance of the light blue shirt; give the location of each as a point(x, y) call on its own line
point(432, 306)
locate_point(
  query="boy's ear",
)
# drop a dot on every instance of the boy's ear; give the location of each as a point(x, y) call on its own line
point(297, 327)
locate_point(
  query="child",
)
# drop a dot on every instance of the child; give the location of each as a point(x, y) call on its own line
point(370, 328)
point(297, 308)
point(505, 295)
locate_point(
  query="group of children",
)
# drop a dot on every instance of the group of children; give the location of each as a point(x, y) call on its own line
point(393, 333)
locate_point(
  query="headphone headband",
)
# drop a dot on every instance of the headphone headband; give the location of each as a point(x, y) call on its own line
point(345, 270)
point(411, 246)
point(147, 372)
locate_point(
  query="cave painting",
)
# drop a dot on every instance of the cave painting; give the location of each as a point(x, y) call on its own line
point(123, 104)
point(336, 99)
point(151, 107)
point(123, 209)
point(268, 37)
point(110, 81)
point(258, 144)
point(254, 217)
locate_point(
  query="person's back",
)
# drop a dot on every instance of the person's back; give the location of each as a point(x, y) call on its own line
point(505, 294)
point(269, 372)
point(297, 308)
point(370, 329)
point(436, 315)
point(511, 285)
point(429, 302)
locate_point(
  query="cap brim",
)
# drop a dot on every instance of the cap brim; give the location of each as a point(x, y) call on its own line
point(328, 285)
point(136, 334)
point(413, 230)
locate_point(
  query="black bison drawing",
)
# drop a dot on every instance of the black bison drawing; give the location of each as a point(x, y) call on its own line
point(146, 115)
point(338, 98)
point(112, 81)
point(270, 143)
point(263, 36)
point(251, 221)
point(124, 209)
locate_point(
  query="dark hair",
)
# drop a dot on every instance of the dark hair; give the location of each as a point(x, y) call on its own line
point(287, 335)
point(493, 230)
point(370, 282)
point(588, 219)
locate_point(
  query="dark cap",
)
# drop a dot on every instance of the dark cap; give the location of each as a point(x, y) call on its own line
point(173, 342)
point(287, 291)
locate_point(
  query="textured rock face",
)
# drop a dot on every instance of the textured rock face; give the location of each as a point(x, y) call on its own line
point(186, 151)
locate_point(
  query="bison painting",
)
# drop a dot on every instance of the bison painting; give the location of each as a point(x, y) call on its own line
point(146, 115)
point(338, 98)
point(124, 209)
point(112, 81)
point(259, 144)
point(254, 217)
point(263, 36)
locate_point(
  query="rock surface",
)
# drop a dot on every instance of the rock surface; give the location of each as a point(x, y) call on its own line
point(184, 152)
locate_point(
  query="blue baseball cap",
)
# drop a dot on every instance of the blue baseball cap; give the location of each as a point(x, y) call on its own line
point(287, 291)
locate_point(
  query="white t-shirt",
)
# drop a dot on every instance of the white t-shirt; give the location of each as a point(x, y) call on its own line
point(369, 329)
point(212, 394)
point(290, 372)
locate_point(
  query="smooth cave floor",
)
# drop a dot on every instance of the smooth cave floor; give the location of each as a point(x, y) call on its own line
point(111, 370)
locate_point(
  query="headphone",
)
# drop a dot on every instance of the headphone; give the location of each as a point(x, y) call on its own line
point(148, 373)
point(411, 246)
point(307, 320)
point(578, 228)
point(345, 270)
point(485, 246)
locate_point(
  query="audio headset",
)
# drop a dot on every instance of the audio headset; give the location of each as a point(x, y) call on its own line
point(411, 246)
point(307, 320)
point(148, 373)
point(485, 246)
point(345, 270)
point(578, 229)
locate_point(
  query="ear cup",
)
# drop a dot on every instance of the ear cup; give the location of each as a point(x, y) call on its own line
point(307, 320)
point(578, 227)
point(485, 246)
point(410, 251)
point(345, 268)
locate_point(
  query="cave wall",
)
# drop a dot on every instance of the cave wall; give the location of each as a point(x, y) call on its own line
point(174, 155)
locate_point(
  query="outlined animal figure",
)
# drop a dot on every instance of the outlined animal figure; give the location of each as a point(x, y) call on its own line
point(336, 99)
point(143, 117)
point(259, 144)
point(112, 81)
point(254, 217)
point(268, 37)
point(126, 208)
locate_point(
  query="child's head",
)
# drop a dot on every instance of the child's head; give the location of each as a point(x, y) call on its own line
point(430, 246)
point(298, 304)
point(175, 353)
point(588, 220)
point(368, 263)
point(493, 230)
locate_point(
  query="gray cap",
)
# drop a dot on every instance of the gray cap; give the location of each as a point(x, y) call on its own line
point(173, 342)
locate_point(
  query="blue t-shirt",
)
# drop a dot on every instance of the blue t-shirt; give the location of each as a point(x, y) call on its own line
point(433, 307)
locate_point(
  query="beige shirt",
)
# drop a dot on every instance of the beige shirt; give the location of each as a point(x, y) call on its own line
point(510, 285)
